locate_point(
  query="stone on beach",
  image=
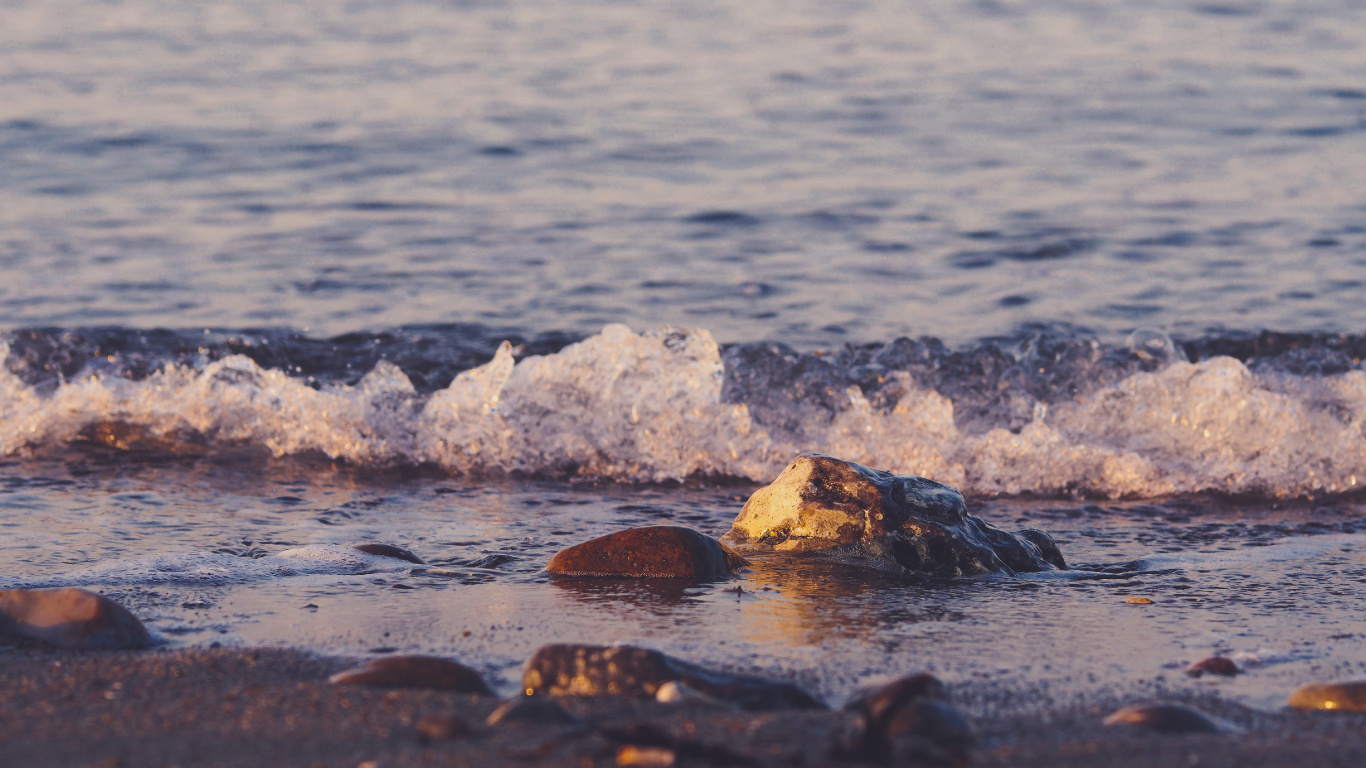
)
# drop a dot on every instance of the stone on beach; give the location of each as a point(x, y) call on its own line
point(1339, 697)
point(1214, 665)
point(389, 550)
point(414, 672)
point(907, 721)
point(68, 617)
point(1168, 718)
point(593, 670)
point(652, 552)
point(827, 505)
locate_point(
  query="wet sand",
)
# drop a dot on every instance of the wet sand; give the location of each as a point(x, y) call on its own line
point(274, 707)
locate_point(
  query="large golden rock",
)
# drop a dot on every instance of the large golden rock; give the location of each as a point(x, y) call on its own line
point(822, 504)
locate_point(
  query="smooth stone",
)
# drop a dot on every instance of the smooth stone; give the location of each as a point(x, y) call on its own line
point(908, 720)
point(595, 670)
point(1214, 665)
point(652, 552)
point(1339, 697)
point(834, 507)
point(533, 710)
point(389, 550)
point(1168, 718)
point(70, 618)
point(414, 672)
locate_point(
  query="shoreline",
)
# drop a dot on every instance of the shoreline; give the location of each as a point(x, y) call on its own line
point(275, 707)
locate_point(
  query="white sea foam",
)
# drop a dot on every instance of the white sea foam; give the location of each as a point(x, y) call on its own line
point(648, 407)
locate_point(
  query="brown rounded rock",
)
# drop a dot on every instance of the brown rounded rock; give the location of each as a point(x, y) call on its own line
point(653, 552)
point(1214, 665)
point(414, 672)
point(564, 669)
point(1339, 697)
point(1167, 718)
point(70, 618)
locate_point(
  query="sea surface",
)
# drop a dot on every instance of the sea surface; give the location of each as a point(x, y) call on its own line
point(486, 279)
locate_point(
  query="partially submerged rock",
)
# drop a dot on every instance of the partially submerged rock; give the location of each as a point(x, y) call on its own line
point(1340, 697)
point(1214, 665)
point(69, 618)
point(594, 670)
point(652, 552)
point(414, 672)
point(908, 722)
point(389, 550)
point(823, 504)
point(1168, 718)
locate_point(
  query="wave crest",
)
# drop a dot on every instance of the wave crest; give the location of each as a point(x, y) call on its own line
point(666, 405)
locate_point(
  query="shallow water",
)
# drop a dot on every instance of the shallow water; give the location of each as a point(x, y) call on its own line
point(202, 552)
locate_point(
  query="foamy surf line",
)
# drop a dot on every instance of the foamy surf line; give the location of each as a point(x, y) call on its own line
point(671, 403)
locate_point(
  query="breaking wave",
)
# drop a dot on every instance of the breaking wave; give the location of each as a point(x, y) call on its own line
point(1049, 412)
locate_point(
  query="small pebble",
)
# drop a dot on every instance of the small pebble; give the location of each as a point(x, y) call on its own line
point(1214, 665)
point(1340, 697)
point(1168, 718)
point(441, 728)
point(414, 672)
point(534, 710)
point(646, 757)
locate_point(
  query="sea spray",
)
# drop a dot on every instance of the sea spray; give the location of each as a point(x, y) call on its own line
point(665, 405)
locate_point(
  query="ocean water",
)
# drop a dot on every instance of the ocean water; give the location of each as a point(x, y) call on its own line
point(485, 279)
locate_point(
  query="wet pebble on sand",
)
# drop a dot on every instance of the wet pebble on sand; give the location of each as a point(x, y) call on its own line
point(1165, 717)
point(1339, 697)
point(414, 672)
point(590, 670)
point(69, 618)
point(908, 722)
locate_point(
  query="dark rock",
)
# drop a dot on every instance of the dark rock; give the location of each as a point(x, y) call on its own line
point(441, 728)
point(822, 504)
point(908, 722)
point(1168, 718)
point(653, 552)
point(69, 618)
point(533, 710)
point(415, 672)
point(1214, 665)
point(1340, 697)
point(593, 670)
point(389, 550)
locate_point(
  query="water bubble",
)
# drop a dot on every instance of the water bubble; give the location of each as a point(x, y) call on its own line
point(1152, 344)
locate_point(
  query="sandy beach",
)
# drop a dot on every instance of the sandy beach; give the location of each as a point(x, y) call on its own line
point(275, 707)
